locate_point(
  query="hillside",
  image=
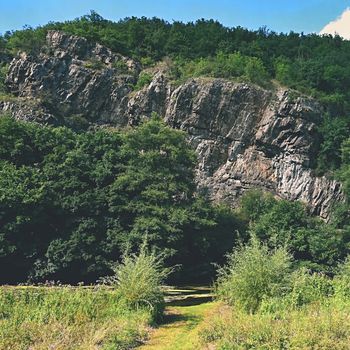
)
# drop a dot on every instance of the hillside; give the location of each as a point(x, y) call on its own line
point(245, 136)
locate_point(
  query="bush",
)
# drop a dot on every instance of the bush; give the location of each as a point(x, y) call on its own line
point(342, 280)
point(308, 288)
point(121, 67)
point(138, 280)
point(313, 327)
point(143, 80)
point(3, 72)
point(254, 273)
point(94, 64)
point(228, 66)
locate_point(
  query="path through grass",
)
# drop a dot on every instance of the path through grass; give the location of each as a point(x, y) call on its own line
point(185, 311)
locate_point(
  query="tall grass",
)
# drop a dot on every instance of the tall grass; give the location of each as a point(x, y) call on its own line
point(103, 317)
point(67, 318)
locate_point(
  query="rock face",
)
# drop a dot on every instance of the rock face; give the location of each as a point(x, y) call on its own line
point(245, 137)
point(73, 77)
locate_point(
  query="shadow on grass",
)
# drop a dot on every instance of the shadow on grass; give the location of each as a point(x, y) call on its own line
point(174, 318)
point(190, 301)
point(188, 291)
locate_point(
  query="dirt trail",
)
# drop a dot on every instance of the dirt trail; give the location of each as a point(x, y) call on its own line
point(186, 309)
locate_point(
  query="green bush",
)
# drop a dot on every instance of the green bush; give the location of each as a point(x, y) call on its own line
point(313, 243)
point(254, 273)
point(138, 280)
point(121, 66)
point(3, 72)
point(313, 313)
point(309, 287)
point(229, 66)
point(94, 64)
point(342, 280)
point(143, 80)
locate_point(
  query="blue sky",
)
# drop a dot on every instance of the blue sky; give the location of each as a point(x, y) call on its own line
point(280, 15)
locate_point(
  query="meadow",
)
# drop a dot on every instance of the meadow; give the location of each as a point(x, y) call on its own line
point(68, 318)
point(115, 314)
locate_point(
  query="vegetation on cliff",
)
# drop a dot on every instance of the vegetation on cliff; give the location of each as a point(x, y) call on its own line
point(312, 64)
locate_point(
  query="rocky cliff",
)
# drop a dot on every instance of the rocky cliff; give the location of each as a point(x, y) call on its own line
point(245, 136)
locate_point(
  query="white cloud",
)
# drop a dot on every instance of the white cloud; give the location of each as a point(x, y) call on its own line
point(339, 26)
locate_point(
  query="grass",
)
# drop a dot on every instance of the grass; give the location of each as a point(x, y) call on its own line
point(314, 326)
point(115, 316)
point(68, 318)
point(186, 310)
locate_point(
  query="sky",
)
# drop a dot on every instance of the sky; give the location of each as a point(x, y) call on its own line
point(326, 16)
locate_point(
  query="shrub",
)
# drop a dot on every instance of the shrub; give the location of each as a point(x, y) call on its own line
point(308, 288)
point(313, 327)
point(143, 80)
point(228, 66)
point(254, 273)
point(3, 72)
point(138, 280)
point(342, 280)
point(147, 61)
point(94, 64)
point(121, 66)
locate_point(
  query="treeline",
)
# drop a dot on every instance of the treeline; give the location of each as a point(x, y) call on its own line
point(306, 62)
point(316, 65)
point(72, 203)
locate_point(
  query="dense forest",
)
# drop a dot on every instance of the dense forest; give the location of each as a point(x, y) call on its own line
point(72, 203)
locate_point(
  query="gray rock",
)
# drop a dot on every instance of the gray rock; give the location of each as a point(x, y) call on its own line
point(245, 136)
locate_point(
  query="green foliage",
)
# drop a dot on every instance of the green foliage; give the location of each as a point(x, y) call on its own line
point(138, 279)
point(120, 66)
point(310, 311)
point(334, 132)
point(3, 72)
point(94, 64)
point(319, 325)
point(29, 40)
point(344, 172)
point(252, 274)
point(308, 288)
point(313, 243)
point(229, 66)
point(255, 203)
point(342, 280)
point(147, 62)
point(143, 80)
point(70, 203)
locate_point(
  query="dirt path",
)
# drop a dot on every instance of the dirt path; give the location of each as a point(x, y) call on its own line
point(185, 311)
